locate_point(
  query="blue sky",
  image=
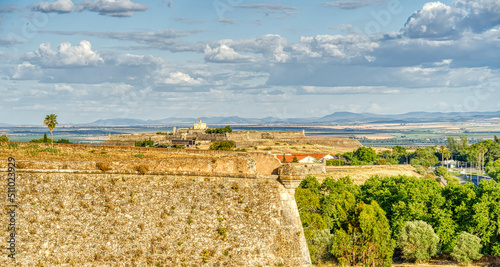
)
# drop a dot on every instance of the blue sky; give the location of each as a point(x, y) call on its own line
point(94, 59)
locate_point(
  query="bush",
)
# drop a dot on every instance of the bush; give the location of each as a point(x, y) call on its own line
point(418, 241)
point(320, 246)
point(12, 145)
point(223, 145)
point(441, 171)
point(51, 150)
point(142, 169)
point(4, 138)
point(103, 166)
point(420, 170)
point(381, 162)
point(139, 156)
point(467, 248)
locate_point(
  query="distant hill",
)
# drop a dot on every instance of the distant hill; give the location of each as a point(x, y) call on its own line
point(336, 117)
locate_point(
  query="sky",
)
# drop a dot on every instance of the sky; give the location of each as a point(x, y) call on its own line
point(86, 60)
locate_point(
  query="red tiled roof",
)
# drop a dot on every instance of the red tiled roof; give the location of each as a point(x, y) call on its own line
point(314, 155)
point(289, 158)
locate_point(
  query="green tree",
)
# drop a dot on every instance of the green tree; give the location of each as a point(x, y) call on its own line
point(4, 138)
point(365, 237)
point(424, 156)
point(365, 154)
point(223, 145)
point(493, 169)
point(295, 160)
point(51, 122)
point(45, 139)
point(418, 241)
point(467, 248)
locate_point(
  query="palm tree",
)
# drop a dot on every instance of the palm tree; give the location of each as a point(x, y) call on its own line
point(51, 121)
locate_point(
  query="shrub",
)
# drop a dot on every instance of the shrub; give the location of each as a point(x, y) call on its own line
point(223, 145)
point(381, 162)
point(12, 145)
point(320, 246)
point(420, 170)
point(418, 241)
point(467, 248)
point(103, 166)
point(139, 156)
point(51, 150)
point(441, 171)
point(4, 138)
point(142, 169)
point(268, 148)
point(222, 232)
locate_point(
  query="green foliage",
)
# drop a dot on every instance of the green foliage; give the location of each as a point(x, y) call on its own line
point(320, 245)
point(45, 139)
point(365, 237)
point(336, 162)
point(441, 171)
point(418, 241)
point(406, 198)
point(223, 145)
point(51, 150)
point(467, 248)
point(13, 145)
point(295, 160)
point(424, 156)
point(4, 138)
point(145, 143)
point(365, 155)
point(226, 129)
point(493, 170)
point(420, 170)
point(141, 156)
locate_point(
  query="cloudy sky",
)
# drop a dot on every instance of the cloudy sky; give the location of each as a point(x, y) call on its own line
point(93, 59)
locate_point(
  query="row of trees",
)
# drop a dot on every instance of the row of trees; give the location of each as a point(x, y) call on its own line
point(352, 224)
point(226, 129)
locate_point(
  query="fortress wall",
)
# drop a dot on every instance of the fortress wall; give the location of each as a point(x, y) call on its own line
point(241, 164)
point(266, 164)
point(152, 220)
point(282, 136)
point(334, 142)
point(245, 135)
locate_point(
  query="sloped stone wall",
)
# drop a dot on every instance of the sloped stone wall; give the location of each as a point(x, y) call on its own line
point(153, 220)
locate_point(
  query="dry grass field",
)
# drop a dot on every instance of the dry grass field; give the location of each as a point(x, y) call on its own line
point(359, 174)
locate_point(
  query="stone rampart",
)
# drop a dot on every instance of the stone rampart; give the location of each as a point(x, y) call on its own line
point(153, 220)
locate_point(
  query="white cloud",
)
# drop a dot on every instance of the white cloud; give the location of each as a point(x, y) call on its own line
point(181, 79)
point(27, 71)
point(114, 8)
point(355, 4)
point(66, 55)
point(224, 54)
point(59, 6)
point(437, 20)
point(434, 20)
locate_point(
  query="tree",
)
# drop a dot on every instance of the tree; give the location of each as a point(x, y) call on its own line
point(295, 160)
point(365, 237)
point(223, 145)
point(51, 122)
point(45, 139)
point(424, 157)
point(467, 248)
point(493, 169)
point(365, 154)
point(4, 138)
point(418, 241)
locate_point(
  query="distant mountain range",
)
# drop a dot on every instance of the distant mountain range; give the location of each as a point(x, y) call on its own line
point(337, 117)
